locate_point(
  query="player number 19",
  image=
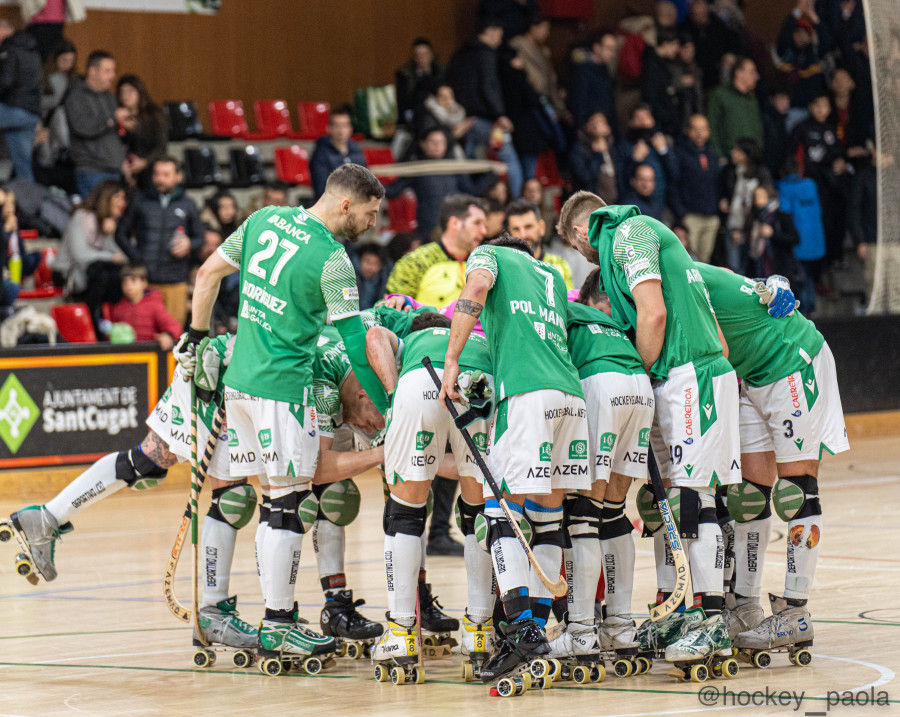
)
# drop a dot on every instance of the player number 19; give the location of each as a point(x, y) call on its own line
point(270, 239)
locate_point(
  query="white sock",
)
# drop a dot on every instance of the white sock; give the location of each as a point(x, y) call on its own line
point(216, 555)
point(479, 573)
point(402, 558)
point(510, 562)
point(665, 563)
point(280, 560)
point(97, 482)
point(751, 539)
point(705, 559)
point(583, 567)
point(618, 566)
point(802, 554)
point(422, 560)
point(328, 544)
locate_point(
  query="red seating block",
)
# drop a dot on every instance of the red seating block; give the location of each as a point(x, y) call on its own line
point(292, 165)
point(312, 119)
point(74, 323)
point(228, 118)
point(273, 118)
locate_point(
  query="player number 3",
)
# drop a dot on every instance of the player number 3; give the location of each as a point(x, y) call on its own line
point(270, 239)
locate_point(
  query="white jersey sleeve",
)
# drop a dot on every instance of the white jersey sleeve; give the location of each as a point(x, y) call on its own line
point(339, 286)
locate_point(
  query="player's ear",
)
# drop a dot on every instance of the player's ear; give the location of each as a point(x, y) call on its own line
point(345, 206)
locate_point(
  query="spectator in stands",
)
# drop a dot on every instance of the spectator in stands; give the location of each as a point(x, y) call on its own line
point(499, 190)
point(526, 110)
point(533, 191)
point(666, 16)
point(799, 197)
point(694, 194)
point(642, 193)
point(852, 115)
point(775, 119)
point(524, 221)
point(10, 245)
point(94, 117)
point(89, 260)
point(591, 162)
point(744, 172)
point(474, 75)
point(643, 144)
point(734, 110)
point(221, 213)
point(802, 43)
point(711, 37)
point(47, 20)
point(593, 87)
point(862, 218)
point(143, 310)
point(771, 237)
point(416, 79)
point(372, 273)
point(531, 46)
point(513, 15)
point(684, 236)
point(274, 194)
point(689, 82)
point(660, 81)
point(166, 228)
point(59, 72)
point(494, 219)
point(441, 110)
point(21, 79)
point(401, 245)
point(334, 149)
point(146, 131)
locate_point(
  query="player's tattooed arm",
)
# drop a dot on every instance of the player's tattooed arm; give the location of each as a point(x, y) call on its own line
point(157, 451)
point(472, 308)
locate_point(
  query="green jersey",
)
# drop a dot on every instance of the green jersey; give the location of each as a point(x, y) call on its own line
point(598, 345)
point(397, 321)
point(293, 271)
point(433, 344)
point(762, 349)
point(634, 248)
point(331, 369)
point(524, 319)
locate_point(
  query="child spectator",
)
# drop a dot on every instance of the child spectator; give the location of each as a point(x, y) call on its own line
point(771, 237)
point(143, 310)
point(371, 274)
point(799, 197)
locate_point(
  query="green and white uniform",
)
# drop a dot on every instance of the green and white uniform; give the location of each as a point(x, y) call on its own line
point(539, 436)
point(420, 427)
point(790, 401)
point(293, 272)
point(617, 394)
point(696, 440)
point(171, 417)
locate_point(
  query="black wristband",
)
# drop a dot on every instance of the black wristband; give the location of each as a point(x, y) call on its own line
point(195, 336)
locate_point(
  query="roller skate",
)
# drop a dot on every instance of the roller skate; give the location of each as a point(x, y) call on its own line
point(435, 621)
point(741, 614)
point(396, 655)
point(703, 651)
point(654, 637)
point(476, 646)
point(789, 629)
point(619, 643)
point(519, 660)
point(575, 654)
point(224, 631)
point(340, 619)
point(286, 643)
point(36, 531)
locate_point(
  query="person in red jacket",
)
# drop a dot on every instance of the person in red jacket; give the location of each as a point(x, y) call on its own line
point(143, 310)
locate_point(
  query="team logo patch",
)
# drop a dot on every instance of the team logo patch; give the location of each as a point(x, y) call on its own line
point(578, 450)
point(480, 441)
point(265, 437)
point(644, 437)
point(545, 451)
point(689, 469)
point(423, 438)
point(177, 418)
point(607, 441)
point(541, 329)
point(351, 294)
point(232, 437)
point(799, 443)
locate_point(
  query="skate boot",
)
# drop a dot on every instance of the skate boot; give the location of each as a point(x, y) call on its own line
point(575, 654)
point(742, 614)
point(221, 627)
point(286, 643)
point(340, 619)
point(654, 637)
point(436, 621)
point(789, 629)
point(396, 653)
point(36, 531)
point(705, 649)
point(476, 646)
point(519, 659)
point(619, 643)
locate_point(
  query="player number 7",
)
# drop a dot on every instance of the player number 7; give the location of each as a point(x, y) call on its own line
point(548, 278)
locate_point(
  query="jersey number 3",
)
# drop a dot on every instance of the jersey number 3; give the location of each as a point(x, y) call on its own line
point(270, 239)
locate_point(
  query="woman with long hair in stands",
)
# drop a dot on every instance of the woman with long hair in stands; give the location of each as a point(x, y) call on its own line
point(145, 131)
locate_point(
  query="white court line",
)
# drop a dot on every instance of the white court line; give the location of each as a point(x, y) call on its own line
point(825, 566)
point(95, 657)
point(864, 481)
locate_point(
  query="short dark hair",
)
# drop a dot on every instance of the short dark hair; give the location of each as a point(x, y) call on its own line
point(133, 271)
point(277, 185)
point(508, 240)
point(521, 206)
point(370, 248)
point(98, 56)
point(169, 159)
point(638, 107)
point(429, 320)
point(493, 206)
point(590, 290)
point(357, 180)
point(666, 34)
point(421, 41)
point(596, 37)
point(458, 205)
point(401, 243)
point(486, 23)
point(344, 109)
point(739, 62)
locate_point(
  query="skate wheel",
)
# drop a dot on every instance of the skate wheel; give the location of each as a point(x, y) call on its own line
point(801, 658)
point(623, 668)
point(201, 658)
point(447, 641)
point(526, 680)
point(729, 668)
point(398, 676)
point(539, 668)
point(341, 650)
point(598, 673)
point(506, 687)
point(354, 651)
point(418, 675)
point(580, 674)
point(5, 534)
point(762, 659)
point(555, 669)
point(468, 672)
point(312, 665)
point(546, 682)
point(381, 674)
point(643, 665)
point(24, 566)
point(698, 673)
point(430, 640)
point(270, 667)
point(521, 689)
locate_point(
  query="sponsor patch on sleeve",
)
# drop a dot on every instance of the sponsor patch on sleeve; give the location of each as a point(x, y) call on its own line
point(351, 294)
point(633, 267)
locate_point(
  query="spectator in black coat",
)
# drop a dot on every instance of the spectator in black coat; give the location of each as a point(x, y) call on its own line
point(694, 189)
point(642, 193)
point(712, 38)
point(853, 115)
point(21, 80)
point(416, 79)
point(643, 144)
point(334, 149)
point(165, 227)
point(862, 218)
point(802, 43)
point(591, 162)
point(659, 81)
point(774, 120)
point(512, 15)
point(771, 237)
point(525, 111)
point(146, 131)
point(593, 87)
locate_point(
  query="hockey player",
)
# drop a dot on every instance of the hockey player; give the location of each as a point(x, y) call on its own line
point(539, 437)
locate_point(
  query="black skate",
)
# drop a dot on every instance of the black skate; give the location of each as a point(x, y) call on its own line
point(434, 620)
point(519, 660)
point(355, 633)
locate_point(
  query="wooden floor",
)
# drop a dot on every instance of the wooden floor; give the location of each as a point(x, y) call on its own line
point(100, 641)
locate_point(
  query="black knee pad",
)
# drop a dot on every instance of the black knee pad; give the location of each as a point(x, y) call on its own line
point(466, 515)
point(796, 497)
point(546, 532)
point(615, 522)
point(265, 507)
point(295, 512)
point(722, 515)
point(233, 504)
point(404, 519)
point(582, 517)
point(138, 471)
point(688, 514)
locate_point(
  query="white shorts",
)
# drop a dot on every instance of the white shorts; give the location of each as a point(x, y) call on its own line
point(271, 438)
point(696, 439)
point(420, 428)
point(539, 442)
point(799, 417)
point(171, 421)
point(619, 414)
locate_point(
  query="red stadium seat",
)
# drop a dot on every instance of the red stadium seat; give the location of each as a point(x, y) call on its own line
point(74, 323)
point(547, 171)
point(228, 118)
point(43, 278)
point(379, 155)
point(273, 118)
point(313, 119)
point(292, 165)
point(402, 212)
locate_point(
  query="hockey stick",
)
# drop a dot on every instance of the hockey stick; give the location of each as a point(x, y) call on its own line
point(175, 607)
point(680, 593)
point(195, 497)
point(559, 587)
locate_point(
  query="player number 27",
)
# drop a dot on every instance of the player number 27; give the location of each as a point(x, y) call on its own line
point(270, 239)
point(548, 279)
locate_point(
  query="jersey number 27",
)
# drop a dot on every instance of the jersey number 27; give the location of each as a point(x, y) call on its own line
point(270, 239)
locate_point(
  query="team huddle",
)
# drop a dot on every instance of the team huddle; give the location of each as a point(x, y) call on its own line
point(560, 400)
